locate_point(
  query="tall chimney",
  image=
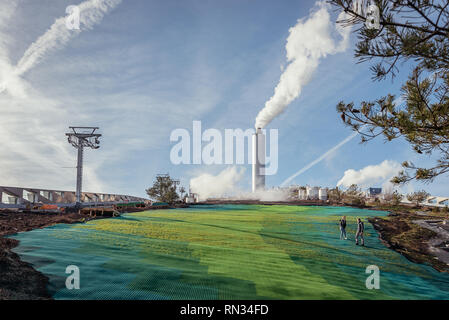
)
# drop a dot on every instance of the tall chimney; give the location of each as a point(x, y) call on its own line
point(258, 160)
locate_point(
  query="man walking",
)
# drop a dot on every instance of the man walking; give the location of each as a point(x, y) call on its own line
point(343, 228)
point(360, 230)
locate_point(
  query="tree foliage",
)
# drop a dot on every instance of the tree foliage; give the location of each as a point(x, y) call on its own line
point(164, 189)
point(416, 33)
point(182, 190)
point(354, 196)
point(335, 194)
point(418, 197)
point(396, 198)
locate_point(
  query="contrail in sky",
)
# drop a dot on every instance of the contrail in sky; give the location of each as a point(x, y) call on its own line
point(319, 159)
point(91, 13)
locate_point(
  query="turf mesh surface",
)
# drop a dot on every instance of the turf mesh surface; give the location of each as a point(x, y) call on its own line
point(226, 252)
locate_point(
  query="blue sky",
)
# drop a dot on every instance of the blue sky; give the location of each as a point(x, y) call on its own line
point(150, 67)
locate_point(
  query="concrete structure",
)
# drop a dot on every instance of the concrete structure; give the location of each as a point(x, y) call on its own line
point(437, 201)
point(258, 160)
point(322, 194)
point(192, 198)
point(431, 201)
point(16, 196)
point(312, 193)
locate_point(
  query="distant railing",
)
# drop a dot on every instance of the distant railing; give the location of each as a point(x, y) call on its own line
point(18, 197)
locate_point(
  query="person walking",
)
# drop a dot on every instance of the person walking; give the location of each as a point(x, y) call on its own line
point(343, 228)
point(360, 230)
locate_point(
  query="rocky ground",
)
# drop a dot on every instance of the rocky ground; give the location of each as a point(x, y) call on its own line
point(18, 279)
point(415, 241)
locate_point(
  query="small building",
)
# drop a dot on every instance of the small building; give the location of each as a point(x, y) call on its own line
point(373, 192)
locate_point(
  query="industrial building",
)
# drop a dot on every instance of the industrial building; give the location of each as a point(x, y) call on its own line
point(312, 193)
point(258, 159)
point(322, 194)
point(192, 198)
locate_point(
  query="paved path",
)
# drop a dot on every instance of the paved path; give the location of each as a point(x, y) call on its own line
point(441, 240)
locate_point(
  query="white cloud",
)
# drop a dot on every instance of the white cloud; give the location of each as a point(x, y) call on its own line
point(373, 175)
point(32, 125)
point(135, 119)
point(7, 9)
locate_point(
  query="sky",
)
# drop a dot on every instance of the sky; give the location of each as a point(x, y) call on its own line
point(140, 69)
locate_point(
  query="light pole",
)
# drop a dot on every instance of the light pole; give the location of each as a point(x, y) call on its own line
point(81, 137)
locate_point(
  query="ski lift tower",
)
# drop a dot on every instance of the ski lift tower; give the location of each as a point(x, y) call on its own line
point(81, 137)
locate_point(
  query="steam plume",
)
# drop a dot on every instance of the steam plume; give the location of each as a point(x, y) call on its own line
point(221, 185)
point(225, 185)
point(308, 42)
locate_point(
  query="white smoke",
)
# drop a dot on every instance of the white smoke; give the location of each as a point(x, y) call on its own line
point(265, 195)
point(222, 185)
point(371, 175)
point(310, 40)
point(225, 185)
point(91, 13)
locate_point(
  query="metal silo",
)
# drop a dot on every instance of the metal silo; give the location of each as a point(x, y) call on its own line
point(322, 194)
point(312, 193)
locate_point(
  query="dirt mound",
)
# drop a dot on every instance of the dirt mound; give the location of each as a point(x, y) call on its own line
point(19, 281)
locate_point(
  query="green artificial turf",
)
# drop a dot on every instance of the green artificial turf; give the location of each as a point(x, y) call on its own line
point(227, 252)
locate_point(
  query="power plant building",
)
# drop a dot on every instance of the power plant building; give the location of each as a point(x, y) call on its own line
point(322, 194)
point(312, 193)
point(258, 160)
